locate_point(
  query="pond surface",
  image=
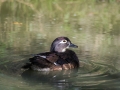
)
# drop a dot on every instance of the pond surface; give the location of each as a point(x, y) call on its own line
point(28, 27)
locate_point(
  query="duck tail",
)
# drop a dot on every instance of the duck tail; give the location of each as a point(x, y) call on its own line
point(26, 66)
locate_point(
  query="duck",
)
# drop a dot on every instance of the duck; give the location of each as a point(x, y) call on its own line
point(60, 57)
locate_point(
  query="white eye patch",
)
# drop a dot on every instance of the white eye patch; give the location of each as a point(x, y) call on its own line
point(63, 41)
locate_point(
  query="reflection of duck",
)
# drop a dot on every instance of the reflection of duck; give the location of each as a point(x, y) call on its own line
point(61, 80)
point(59, 57)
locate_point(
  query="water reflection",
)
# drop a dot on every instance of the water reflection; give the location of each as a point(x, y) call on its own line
point(58, 79)
point(70, 79)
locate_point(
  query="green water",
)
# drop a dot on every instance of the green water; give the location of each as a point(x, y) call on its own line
point(28, 27)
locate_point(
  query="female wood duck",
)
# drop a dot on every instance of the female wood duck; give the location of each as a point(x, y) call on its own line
point(59, 57)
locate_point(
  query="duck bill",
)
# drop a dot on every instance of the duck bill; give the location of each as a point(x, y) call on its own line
point(73, 45)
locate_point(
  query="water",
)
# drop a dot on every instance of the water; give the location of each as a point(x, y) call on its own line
point(29, 27)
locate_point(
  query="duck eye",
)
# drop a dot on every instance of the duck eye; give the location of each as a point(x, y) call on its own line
point(64, 41)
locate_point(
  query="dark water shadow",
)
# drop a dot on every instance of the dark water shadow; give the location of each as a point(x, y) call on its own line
point(58, 79)
point(70, 80)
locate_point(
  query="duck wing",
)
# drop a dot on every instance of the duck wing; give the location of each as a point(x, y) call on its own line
point(42, 60)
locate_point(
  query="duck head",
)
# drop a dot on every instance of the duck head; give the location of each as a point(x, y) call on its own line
point(60, 44)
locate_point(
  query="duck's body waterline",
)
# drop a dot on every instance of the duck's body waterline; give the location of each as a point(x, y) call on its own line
point(59, 57)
